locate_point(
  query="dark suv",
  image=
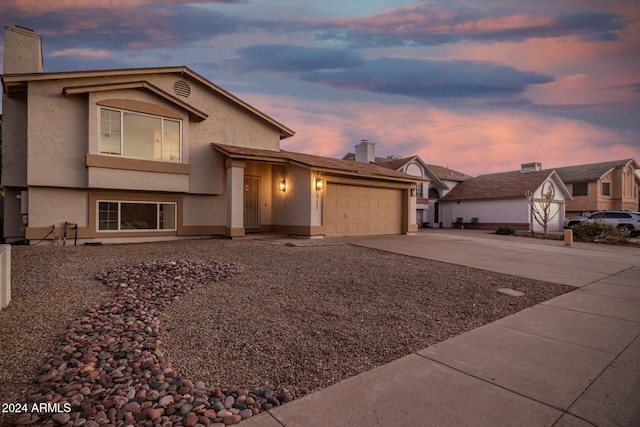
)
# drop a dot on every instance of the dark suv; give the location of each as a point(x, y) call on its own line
point(627, 222)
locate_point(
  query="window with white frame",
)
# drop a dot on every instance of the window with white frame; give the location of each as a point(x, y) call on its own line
point(138, 135)
point(136, 216)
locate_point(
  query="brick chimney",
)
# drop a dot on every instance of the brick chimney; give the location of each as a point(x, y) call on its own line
point(22, 50)
point(366, 151)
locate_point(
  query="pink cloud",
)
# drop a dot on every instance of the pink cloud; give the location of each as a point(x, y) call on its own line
point(475, 142)
point(40, 6)
point(85, 53)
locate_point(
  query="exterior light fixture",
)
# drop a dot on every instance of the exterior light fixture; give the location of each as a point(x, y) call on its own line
point(319, 184)
point(282, 185)
point(413, 192)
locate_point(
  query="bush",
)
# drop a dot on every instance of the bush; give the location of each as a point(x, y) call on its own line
point(597, 231)
point(505, 230)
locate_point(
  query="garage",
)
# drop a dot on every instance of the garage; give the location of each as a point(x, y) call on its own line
point(352, 210)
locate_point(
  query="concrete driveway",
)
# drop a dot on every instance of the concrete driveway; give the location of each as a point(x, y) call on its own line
point(571, 361)
point(548, 260)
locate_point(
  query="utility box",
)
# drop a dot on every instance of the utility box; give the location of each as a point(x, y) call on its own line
point(568, 237)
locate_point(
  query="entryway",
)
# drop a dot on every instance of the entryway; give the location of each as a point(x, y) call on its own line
point(252, 203)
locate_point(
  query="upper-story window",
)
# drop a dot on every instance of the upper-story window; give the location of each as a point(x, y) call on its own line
point(580, 189)
point(142, 136)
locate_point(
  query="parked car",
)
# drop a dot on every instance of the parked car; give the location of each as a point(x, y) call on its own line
point(627, 222)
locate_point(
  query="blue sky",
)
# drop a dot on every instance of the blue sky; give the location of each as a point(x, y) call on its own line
point(479, 86)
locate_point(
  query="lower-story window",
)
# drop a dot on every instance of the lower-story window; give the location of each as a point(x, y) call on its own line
point(124, 215)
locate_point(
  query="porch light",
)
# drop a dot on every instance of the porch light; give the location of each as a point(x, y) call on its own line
point(413, 192)
point(319, 184)
point(282, 185)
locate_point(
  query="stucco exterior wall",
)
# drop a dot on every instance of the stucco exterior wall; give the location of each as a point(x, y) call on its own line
point(62, 130)
point(499, 211)
point(293, 206)
point(57, 133)
point(14, 142)
point(55, 206)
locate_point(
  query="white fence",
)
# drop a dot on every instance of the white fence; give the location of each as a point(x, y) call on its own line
point(5, 275)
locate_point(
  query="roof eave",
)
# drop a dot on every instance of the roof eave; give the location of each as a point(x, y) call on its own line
point(284, 131)
point(76, 90)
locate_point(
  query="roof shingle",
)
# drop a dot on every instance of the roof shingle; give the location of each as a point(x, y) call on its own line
point(318, 162)
point(498, 185)
point(591, 171)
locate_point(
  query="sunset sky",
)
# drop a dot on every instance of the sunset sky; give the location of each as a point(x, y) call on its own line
point(480, 86)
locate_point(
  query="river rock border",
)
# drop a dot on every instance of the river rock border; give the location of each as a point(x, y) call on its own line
point(109, 370)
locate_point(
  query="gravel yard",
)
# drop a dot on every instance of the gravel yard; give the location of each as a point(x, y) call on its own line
point(295, 319)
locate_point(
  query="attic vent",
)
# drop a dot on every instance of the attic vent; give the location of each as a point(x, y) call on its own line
point(182, 88)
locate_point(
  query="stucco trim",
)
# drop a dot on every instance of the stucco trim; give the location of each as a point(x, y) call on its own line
point(76, 90)
point(234, 231)
point(202, 230)
point(117, 162)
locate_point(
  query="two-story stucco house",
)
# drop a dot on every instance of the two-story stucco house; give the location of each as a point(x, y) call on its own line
point(601, 186)
point(128, 155)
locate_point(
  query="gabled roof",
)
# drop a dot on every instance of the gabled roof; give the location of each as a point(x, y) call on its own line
point(396, 163)
point(501, 186)
point(17, 82)
point(323, 164)
point(447, 174)
point(593, 171)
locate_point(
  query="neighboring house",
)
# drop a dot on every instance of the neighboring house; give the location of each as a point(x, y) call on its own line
point(490, 201)
point(451, 179)
point(438, 180)
point(601, 186)
point(162, 153)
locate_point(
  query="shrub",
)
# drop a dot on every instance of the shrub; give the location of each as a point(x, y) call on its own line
point(505, 230)
point(597, 231)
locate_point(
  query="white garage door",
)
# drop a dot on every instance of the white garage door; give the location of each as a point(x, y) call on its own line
point(351, 210)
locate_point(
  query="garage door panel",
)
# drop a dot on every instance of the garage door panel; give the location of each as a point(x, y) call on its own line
point(351, 210)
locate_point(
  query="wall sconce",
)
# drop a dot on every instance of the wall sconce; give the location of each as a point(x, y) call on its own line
point(413, 192)
point(319, 184)
point(282, 185)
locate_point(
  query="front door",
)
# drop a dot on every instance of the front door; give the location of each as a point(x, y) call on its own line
point(252, 202)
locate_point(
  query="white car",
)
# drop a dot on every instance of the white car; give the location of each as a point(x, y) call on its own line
point(627, 222)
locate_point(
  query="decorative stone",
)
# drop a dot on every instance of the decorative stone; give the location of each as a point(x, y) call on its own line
point(111, 370)
point(231, 419)
point(154, 414)
point(511, 292)
point(61, 418)
point(246, 413)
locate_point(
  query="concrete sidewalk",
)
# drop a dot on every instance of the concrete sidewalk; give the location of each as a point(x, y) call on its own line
point(571, 361)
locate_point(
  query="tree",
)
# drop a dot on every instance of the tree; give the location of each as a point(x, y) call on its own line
point(541, 208)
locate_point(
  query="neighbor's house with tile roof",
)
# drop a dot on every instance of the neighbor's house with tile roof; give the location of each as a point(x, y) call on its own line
point(162, 153)
point(601, 186)
point(492, 200)
point(438, 179)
